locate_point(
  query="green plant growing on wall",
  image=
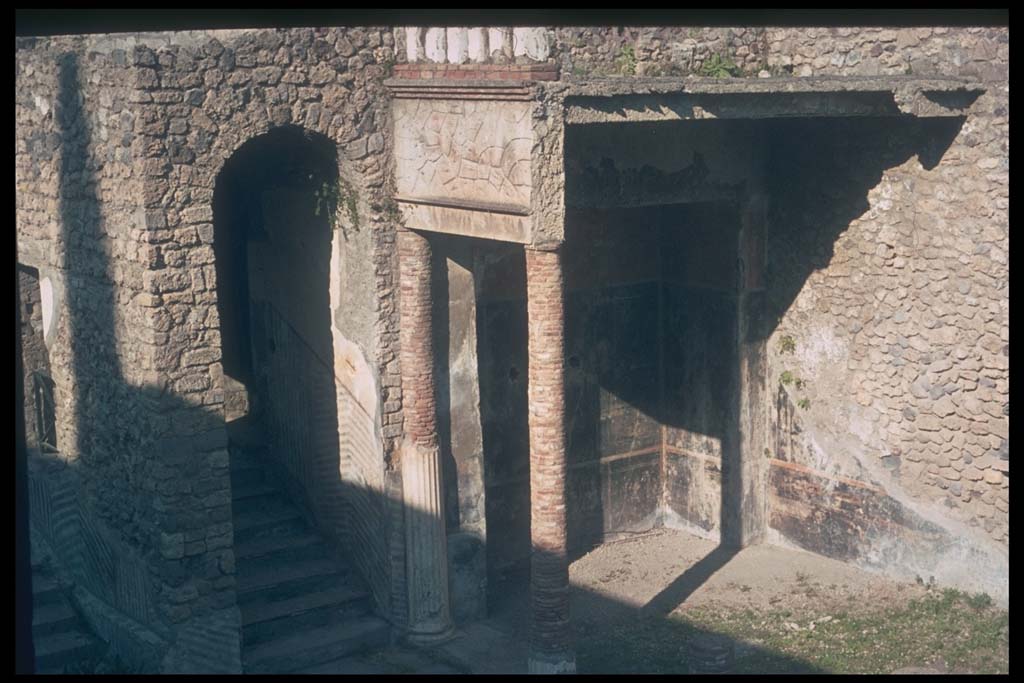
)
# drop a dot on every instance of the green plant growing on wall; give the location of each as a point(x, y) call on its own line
point(787, 344)
point(717, 66)
point(326, 199)
point(334, 194)
point(625, 63)
point(804, 403)
point(786, 378)
point(800, 383)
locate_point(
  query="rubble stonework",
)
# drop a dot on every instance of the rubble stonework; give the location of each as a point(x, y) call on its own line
point(779, 51)
point(157, 125)
point(888, 300)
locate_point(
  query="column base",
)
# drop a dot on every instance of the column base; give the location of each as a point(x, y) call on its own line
point(426, 639)
point(552, 664)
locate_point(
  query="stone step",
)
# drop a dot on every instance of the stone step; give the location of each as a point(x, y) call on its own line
point(45, 591)
point(397, 661)
point(302, 546)
point(276, 519)
point(57, 617)
point(38, 562)
point(280, 575)
point(263, 621)
point(50, 671)
point(315, 646)
point(59, 650)
point(294, 589)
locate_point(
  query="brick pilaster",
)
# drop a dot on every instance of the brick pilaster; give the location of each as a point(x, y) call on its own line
point(550, 637)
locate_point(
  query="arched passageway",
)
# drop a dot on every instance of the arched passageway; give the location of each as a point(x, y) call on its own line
point(300, 600)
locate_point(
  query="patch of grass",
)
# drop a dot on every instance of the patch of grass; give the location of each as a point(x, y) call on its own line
point(787, 344)
point(786, 378)
point(980, 601)
point(945, 629)
point(936, 630)
point(804, 403)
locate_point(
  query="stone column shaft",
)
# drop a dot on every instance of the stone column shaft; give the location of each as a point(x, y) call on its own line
point(426, 544)
point(550, 637)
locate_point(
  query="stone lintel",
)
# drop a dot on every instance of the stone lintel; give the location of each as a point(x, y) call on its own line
point(508, 224)
point(666, 99)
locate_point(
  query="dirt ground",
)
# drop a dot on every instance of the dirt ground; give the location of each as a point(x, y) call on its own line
point(635, 571)
point(639, 603)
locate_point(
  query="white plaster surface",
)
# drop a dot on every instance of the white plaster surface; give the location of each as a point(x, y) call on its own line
point(497, 38)
point(435, 45)
point(414, 43)
point(458, 45)
point(476, 44)
point(530, 41)
point(46, 295)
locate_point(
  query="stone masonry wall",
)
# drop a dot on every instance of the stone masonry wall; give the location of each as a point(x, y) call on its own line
point(158, 125)
point(681, 51)
point(206, 99)
point(78, 224)
point(909, 317)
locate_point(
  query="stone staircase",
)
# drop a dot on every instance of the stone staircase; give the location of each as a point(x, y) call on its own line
point(300, 606)
point(63, 642)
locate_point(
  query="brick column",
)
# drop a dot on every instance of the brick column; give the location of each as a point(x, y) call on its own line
point(550, 637)
point(426, 545)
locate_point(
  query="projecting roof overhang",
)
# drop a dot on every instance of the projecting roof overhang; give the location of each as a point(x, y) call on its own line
point(624, 100)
